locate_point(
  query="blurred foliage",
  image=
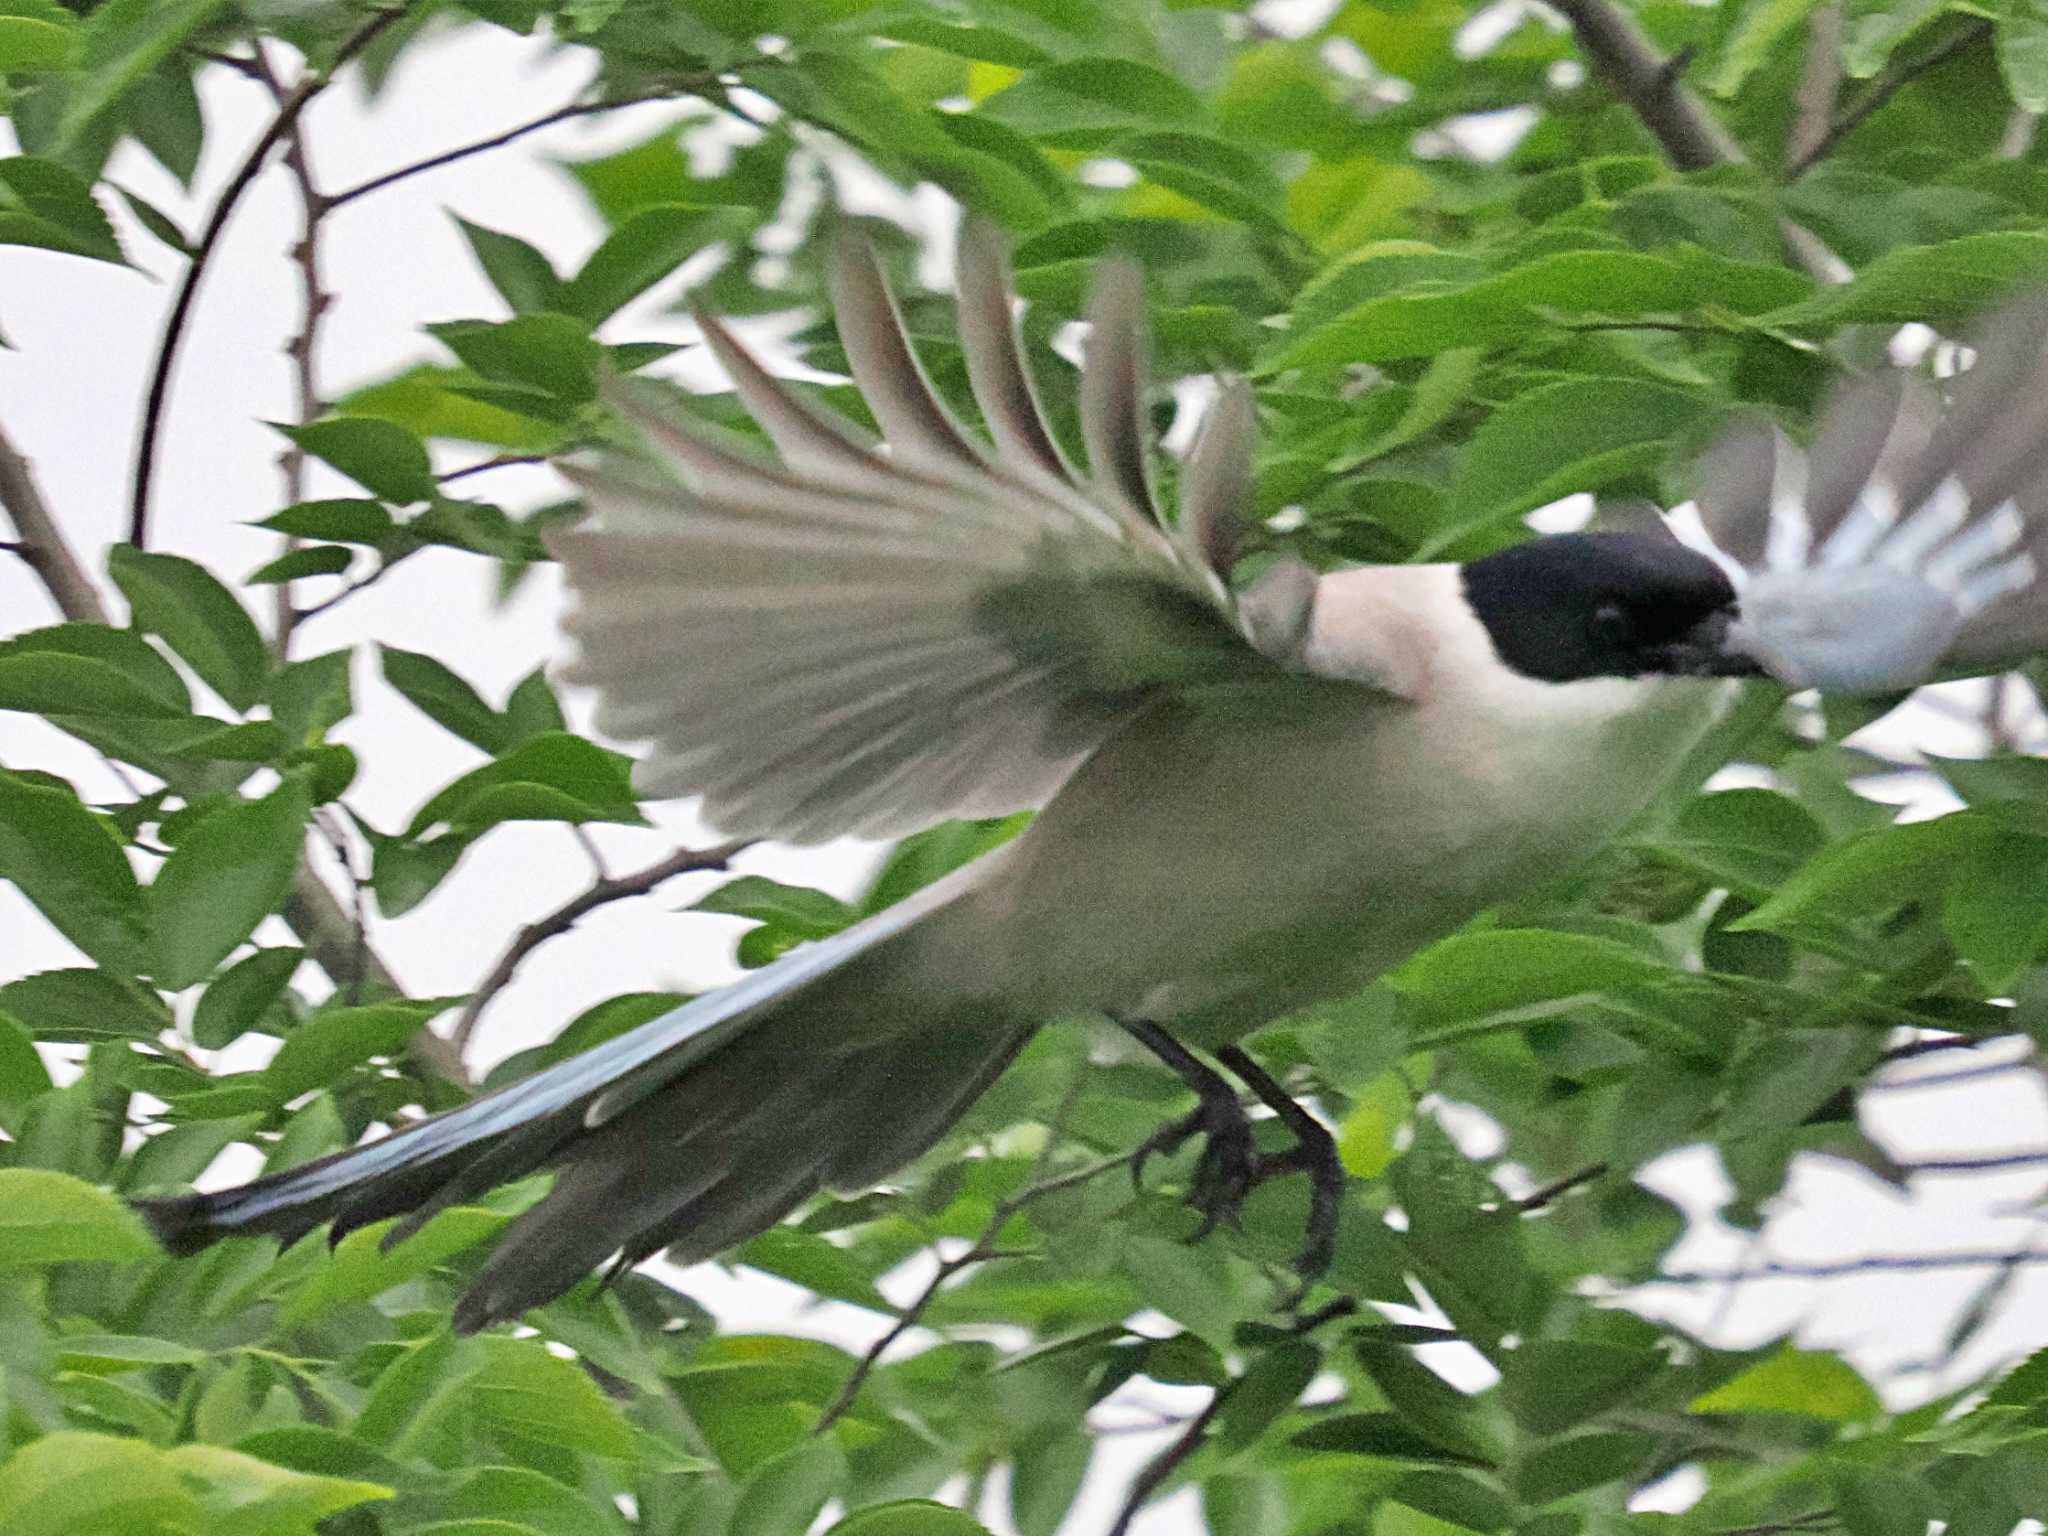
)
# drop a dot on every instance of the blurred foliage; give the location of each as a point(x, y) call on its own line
point(1442, 339)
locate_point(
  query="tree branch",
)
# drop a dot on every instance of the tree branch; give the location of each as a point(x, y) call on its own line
point(1537, 1199)
point(303, 348)
point(1837, 1269)
point(558, 922)
point(311, 911)
point(1896, 77)
point(483, 146)
point(1624, 55)
point(281, 124)
point(1820, 84)
point(983, 1250)
point(1164, 1465)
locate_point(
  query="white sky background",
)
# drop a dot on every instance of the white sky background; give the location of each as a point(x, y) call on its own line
point(70, 395)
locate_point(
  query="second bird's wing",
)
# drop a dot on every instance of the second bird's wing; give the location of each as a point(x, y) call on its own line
point(869, 637)
point(1910, 542)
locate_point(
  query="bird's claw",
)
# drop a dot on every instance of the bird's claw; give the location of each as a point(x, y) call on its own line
point(1227, 1169)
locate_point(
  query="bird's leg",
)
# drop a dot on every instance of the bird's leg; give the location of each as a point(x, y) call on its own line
point(1314, 1152)
point(1228, 1166)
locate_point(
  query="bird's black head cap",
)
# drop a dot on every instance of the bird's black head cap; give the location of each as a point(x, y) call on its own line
point(1581, 605)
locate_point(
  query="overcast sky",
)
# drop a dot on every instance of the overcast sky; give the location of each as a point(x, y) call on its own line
point(83, 334)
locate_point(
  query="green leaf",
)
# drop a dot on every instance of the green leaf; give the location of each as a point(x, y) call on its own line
point(180, 1154)
point(108, 1354)
point(30, 43)
point(247, 1497)
point(908, 1517)
point(344, 520)
point(239, 998)
point(1762, 29)
point(52, 1218)
point(1749, 840)
point(1390, 1518)
point(804, 913)
point(124, 41)
point(1564, 1467)
point(23, 1077)
point(552, 355)
point(924, 856)
point(1367, 1135)
point(384, 459)
point(309, 696)
point(151, 217)
point(553, 777)
point(1385, 1436)
point(1046, 1473)
point(296, 564)
point(640, 252)
point(1876, 1501)
point(360, 1266)
point(1996, 908)
point(1551, 1385)
point(528, 1394)
point(1581, 435)
point(2022, 42)
point(70, 865)
point(1271, 1384)
point(1940, 285)
point(1788, 1075)
point(532, 708)
point(784, 1495)
point(197, 617)
point(522, 275)
point(1809, 1383)
point(1870, 873)
point(88, 669)
point(68, 1005)
point(1068, 103)
point(1505, 970)
point(511, 1494)
point(225, 876)
point(444, 698)
point(328, 1044)
point(71, 1482)
point(43, 204)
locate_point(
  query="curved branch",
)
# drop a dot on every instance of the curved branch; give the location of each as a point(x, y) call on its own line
point(1837, 1269)
point(281, 124)
point(1896, 77)
point(481, 146)
point(1650, 83)
point(558, 922)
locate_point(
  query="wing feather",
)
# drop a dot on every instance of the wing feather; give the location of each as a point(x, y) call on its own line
point(865, 638)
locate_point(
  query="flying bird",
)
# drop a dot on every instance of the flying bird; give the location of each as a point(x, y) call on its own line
point(1250, 795)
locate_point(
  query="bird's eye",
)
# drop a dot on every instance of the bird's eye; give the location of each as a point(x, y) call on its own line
point(1611, 619)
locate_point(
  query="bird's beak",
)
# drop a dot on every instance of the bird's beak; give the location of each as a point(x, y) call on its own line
point(1711, 648)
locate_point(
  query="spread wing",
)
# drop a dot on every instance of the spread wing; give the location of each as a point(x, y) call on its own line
point(864, 637)
point(1911, 540)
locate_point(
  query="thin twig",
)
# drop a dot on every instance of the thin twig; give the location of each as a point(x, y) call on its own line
point(498, 461)
point(42, 544)
point(558, 922)
point(1991, 1163)
point(1896, 77)
point(1960, 1075)
point(368, 578)
point(984, 1249)
point(1537, 1199)
point(281, 123)
point(312, 911)
point(303, 348)
point(1836, 1269)
point(1812, 1519)
point(482, 146)
point(1820, 84)
point(1168, 1461)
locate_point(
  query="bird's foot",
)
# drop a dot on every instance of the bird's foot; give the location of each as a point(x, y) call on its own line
point(1230, 1166)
